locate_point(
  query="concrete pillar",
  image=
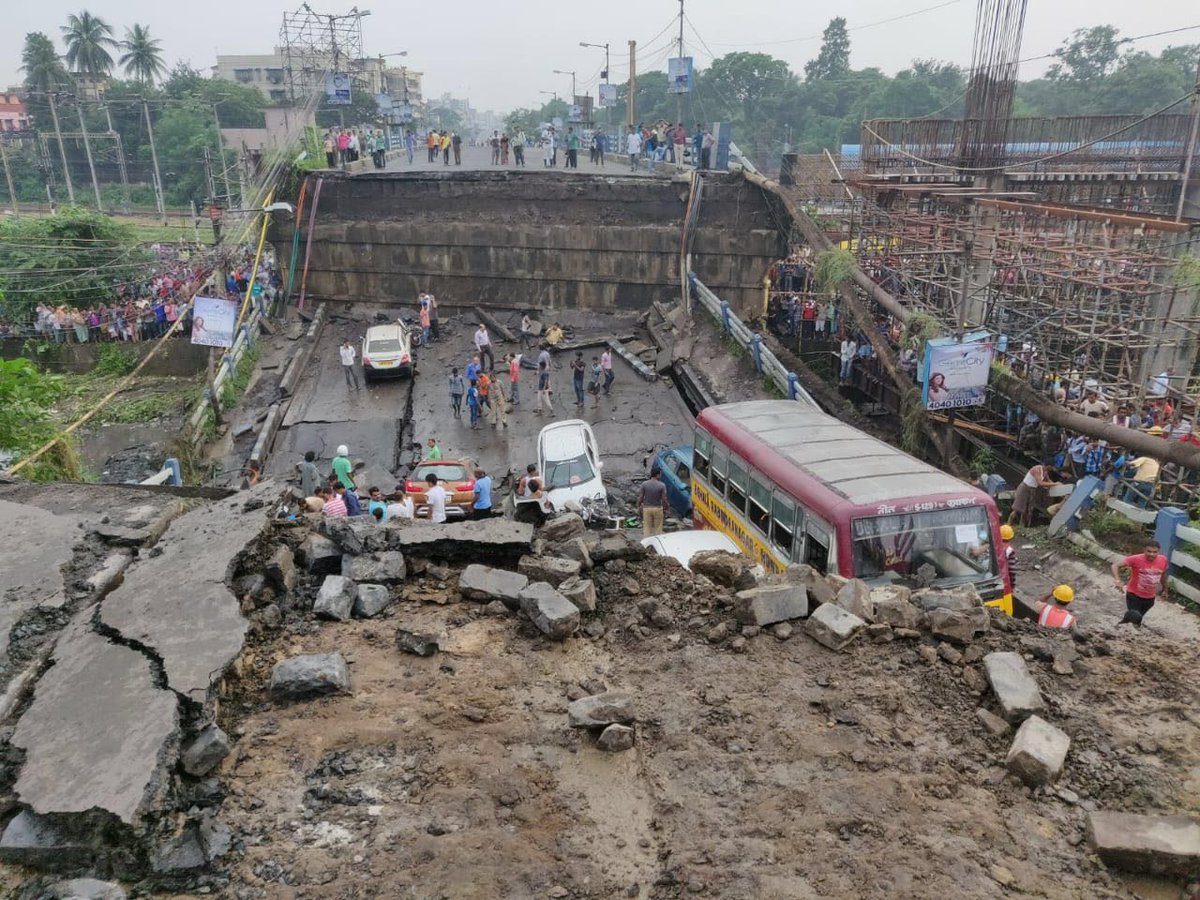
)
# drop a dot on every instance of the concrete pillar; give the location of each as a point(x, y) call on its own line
point(1165, 530)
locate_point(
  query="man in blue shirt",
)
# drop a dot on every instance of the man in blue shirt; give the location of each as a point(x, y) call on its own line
point(353, 506)
point(483, 495)
point(473, 369)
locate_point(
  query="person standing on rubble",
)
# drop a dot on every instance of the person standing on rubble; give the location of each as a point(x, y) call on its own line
point(652, 503)
point(483, 344)
point(514, 378)
point(309, 476)
point(607, 366)
point(482, 508)
point(458, 387)
point(1147, 582)
point(342, 467)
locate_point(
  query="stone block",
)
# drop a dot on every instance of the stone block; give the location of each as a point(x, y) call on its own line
point(562, 527)
point(576, 549)
point(996, 726)
point(553, 614)
point(206, 752)
point(343, 533)
point(601, 710)
point(280, 569)
point(178, 855)
point(1015, 689)
point(833, 627)
point(33, 840)
point(417, 644)
point(956, 625)
point(615, 738)
point(384, 567)
point(85, 889)
point(1038, 752)
point(335, 599)
point(581, 592)
point(310, 675)
point(551, 569)
point(855, 597)
point(1159, 845)
point(321, 556)
point(731, 570)
point(963, 597)
point(769, 604)
point(893, 609)
point(485, 584)
point(370, 600)
point(615, 546)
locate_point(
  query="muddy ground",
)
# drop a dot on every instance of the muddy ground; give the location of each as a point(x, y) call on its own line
point(782, 770)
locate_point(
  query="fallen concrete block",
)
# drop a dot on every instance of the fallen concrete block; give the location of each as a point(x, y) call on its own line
point(833, 627)
point(1015, 689)
point(1038, 752)
point(280, 569)
point(581, 592)
point(1159, 845)
point(601, 710)
point(417, 644)
point(616, 546)
point(731, 570)
point(893, 609)
point(85, 889)
point(470, 541)
point(574, 548)
point(550, 569)
point(335, 599)
point(33, 840)
point(930, 598)
point(310, 675)
point(120, 536)
point(615, 738)
point(562, 527)
point(957, 625)
point(384, 567)
point(206, 752)
point(553, 614)
point(855, 597)
point(771, 603)
point(996, 726)
point(485, 584)
point(371, 600)
point(179, 854)
point(321, 556)
point(343, 533)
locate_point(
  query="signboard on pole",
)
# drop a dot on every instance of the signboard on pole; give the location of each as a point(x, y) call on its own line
point(956, 372)
point(213, 321)
point(337, 89)
point(679, 75)
point(575, 113)
point(608, 95)
point(403, 113)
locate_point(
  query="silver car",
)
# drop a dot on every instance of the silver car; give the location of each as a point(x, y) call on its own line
point(386, 351)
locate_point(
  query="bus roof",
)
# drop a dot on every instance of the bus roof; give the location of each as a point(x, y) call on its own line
point(854, 466)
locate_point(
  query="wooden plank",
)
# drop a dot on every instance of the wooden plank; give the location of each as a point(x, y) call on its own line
point(1182, 558)
point(971, 426)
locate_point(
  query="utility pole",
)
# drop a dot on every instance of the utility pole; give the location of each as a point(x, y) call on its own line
point(123, 169)
point(62, 149)
point(87, 148)
point(224, 169)
point(12, 194)
point(679, 97)
point(158, 186)
point(630, 104)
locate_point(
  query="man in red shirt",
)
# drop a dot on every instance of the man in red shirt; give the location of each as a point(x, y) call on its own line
point(1147, 582)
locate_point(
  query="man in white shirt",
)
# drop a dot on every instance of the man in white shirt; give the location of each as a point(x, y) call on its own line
point(347, 353)
point(846, 355)
point(1161, 383)
point(483, 344)
point(633, 146)
point(435, 498)
point(606, 367)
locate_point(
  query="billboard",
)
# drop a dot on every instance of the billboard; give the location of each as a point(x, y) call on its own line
point(575, 113)
point(679, 75)
point(337, 89)
point(956, 373)
point(213, 321)
point(608, 95)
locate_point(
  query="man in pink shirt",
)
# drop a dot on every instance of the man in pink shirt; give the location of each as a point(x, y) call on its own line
point(335, 506)
point(1147, 582)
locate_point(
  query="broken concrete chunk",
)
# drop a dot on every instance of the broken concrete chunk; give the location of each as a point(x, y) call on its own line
point(310, 675)
point(215, 837)
point(417, 644)
point(321, 555)
point(280, 569)
point(343, 533)
point(892, 608)
point(731, 570)
point(551, 569)
point(615, 738)
point(496, 608)
point(562, 527)
point(616, 546)
point(85, 889)
point(581, 592)
point(470, 541)
point(995, 725)
point(485, 584)
point(206, 752)
point(576, 549)
point(601, 710)
point(1160, 845)
point(335, 600)
point(120, 536)
point(371, 600)
point(384, 567)
point(833, 627)
point(179, 854)
point(956, 625)
point(33, 840)
point(1038, 752)
point(553, 614)
point(769, 604)
point(1015, 689)
point(855, 597)
point(957, 599)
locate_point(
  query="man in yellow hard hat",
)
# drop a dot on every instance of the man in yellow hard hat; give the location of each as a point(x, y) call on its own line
point(1052, 609)
point(1007, 533)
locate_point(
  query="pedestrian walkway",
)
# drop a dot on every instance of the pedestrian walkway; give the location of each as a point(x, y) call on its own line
point(480, 159)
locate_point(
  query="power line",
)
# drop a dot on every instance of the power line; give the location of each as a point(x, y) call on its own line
point(817, 37)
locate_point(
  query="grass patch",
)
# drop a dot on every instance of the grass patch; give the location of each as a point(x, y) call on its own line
point(236, 384)
point(1115, 531)
point(115, 359)
point(26, 422)
point(146, 408)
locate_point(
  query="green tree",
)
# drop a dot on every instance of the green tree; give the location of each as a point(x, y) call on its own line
point(143, 54)
point(1088, 54)
point(88, 39)
point(443, 118)
point(44, 71)
point(833, 60)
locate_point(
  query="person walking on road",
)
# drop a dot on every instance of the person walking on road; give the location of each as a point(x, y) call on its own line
point(607, 366)
point(498, 406)
point(514, 378)
point(473, 403)
point(458, 387)
point(434, 451)
point(483, 344)
point(410, 144)
point(578, 366)
point(633, 147)
point(425, 320)
point(456, 146)
point(482, 508)
point(342, 467)
point(1147, 582)
point(595, 377)
point(652, 503)
point(310, 478)
point(347, 354)
point(435, 499)
point(543, 388)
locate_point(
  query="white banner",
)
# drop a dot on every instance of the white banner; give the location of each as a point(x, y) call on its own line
point(956, 373)
point(337, 89)
point(608, 95)
point(679, 75)
point(213, 321)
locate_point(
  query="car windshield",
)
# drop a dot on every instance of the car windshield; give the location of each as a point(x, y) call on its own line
point(384, 345)
point(951, 545)
point(443, 472)
point(563, 473)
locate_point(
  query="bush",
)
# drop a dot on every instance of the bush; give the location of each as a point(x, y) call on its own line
point(26, 396)
point(115, 359)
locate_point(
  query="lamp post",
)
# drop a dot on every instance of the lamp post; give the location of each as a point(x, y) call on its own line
point(603, 74)
point(572, 74)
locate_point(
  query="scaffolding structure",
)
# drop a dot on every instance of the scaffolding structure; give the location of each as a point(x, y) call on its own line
point(314, 45)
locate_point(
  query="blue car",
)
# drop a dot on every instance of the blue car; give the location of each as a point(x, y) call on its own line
point(676, 465)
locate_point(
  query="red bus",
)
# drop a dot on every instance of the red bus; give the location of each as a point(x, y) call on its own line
point(790, 484)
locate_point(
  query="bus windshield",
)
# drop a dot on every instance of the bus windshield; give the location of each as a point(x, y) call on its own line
point(949, 545)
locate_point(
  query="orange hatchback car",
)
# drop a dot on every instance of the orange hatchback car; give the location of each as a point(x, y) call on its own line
point(456, 475)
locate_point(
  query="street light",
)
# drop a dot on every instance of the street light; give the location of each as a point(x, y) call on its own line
point(603, 47)
point(572, 74)
point(553, 94)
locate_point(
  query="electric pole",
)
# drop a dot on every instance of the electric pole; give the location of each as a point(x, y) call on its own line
point(158, 186)
point(87, 147)
point(62, 149)
point(224, 169)
point(630, 104)
point(679, 97)
point(12, 194)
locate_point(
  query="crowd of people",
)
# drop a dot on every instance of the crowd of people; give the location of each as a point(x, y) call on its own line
point(348, 145)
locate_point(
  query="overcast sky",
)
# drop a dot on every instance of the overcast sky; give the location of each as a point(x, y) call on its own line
point(502, 53)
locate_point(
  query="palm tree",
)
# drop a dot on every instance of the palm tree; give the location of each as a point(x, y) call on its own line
point(143, 54)
point(88, 39)
point(43, 69)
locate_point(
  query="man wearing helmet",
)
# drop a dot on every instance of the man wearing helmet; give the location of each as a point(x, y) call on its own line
point(1052, 609)
point(1007, 533)
point(342, 467)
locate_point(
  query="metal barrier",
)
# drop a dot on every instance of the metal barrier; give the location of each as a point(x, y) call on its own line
point(764, 360)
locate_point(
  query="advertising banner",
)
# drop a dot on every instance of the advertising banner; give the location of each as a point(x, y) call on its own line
point(575, 113)
point(679, 75)
point(608, 95)
point(956, 373)
point(337, 89)
point(213, 321)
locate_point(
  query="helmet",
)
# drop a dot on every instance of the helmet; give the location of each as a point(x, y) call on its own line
point(1007, 533)
point(1157, 429)
point(1064, 594)
point(343, 450)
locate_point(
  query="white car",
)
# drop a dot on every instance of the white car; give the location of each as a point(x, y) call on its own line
point(681, 546)
point(569, 461)
point(387, 351)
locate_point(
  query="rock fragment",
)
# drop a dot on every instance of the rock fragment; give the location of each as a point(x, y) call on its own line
point(335, 599)
point(855, 597)
point(1015, 689)
point(995, 726)
point(731, 570)
point(85, 889)
point(417, 644)
point(769, 604)
point(321, 556)
point(310, 675)
point(833, 627)
point(1038, 752)
point(205, 753)
point(485, 584)
point(615, 738)
point(553, 570)
point(370, 600)
point(280, 569)
point(553, 614)
point(601, 710)
point(384, 567)
point(581, 592)
point(562, 527)
point(1160, 845)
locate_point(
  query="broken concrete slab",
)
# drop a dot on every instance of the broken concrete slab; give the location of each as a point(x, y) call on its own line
point(855, 597)
point(1015, 689)
point(731, 570)
point(119, 535)
point(616, 738)
point(321, 556)
point(930, 598)
point(996, 726)
point(206, 752)
point(472, 541)
point(574, 549)
point(485, 584)
point(179, 854)
point(616, 546)
point(417, 644)
point(1159, 845)
point(85, 889)
point(385, 567)
point(335, 599)
point(957, 625)
point(562, 527)
point(892, 609)
point(553, 614)
point(1038, 752)
point(833, 627)
point(371, 600)
point(551, 569)
point(99, 732)
point(581, 592)
point(280, 569)
point(601, 710)
point(32, 577)
point(310, 675)
point(33, 840)
point(771, 603)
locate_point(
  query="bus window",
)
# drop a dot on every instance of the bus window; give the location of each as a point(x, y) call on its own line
point(737, 485)
point(783, 519)
point(953, 543)
point(816, 553)
point(702, 453)
point(720, 464)
point(760, 504)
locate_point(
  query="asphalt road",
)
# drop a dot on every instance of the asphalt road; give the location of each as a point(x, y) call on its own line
point(480, 158)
